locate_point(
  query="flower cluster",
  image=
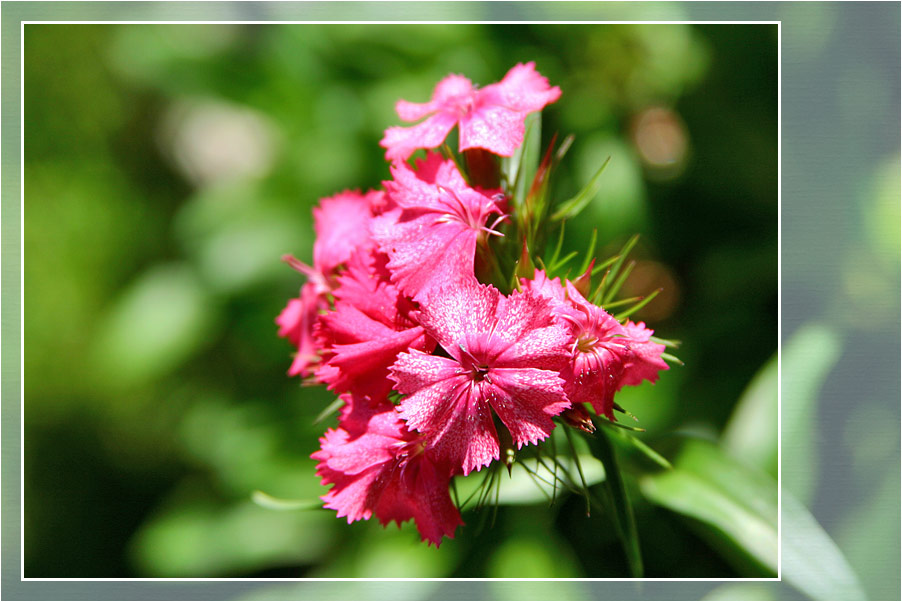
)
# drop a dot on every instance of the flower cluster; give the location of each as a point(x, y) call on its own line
point(433, 363)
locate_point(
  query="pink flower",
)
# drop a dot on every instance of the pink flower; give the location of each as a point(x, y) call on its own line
point(504, 354)
point(605, 354)
point(296, 324)
point(491, 118)
point(645, 361)
point(369, 327)
point(431, 237)
point(377, 466)
point(342, 224)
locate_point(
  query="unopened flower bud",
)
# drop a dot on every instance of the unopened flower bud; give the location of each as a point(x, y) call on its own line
point(578, 417)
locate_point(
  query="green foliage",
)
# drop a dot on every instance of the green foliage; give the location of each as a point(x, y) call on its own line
point(572, 207)
point(618, 501)
point(811, 560)
point(737, 506)
point(807, 360)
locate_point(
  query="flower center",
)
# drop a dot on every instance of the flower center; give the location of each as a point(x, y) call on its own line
point(463, 105)
point(474, 365)
point(479, 373)
point(586, 342)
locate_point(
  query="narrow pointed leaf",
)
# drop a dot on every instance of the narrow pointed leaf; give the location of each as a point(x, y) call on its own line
point(611, 276)
point(522, 166)
point(265, 500)
point(671, 343)
point(643, 301)
point(633, 443)
point(573, 206)
point(615, 287)
point(605, 264)
point(329, 410)
point(563, 148)
point(557, 248)
point(667, 357)
point(590, 253)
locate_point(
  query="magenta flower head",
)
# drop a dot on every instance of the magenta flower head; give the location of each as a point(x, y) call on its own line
point(370, 324)
point(416, 314)
point(504, 354)
point(431, 236)
point(490, 118)
point(605, 355)
point(378, 466)
point(341, 223)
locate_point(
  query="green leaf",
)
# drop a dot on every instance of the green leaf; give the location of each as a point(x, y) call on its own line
point(329, 410)
point(631, 442)
point(751, 434)
point(264, 500)
point(643, 301)
point(736, 506)
point(590, 252)
point(198, 538)
point(615, 286)
point(600, 293)
point(534, 553)
point(520, 169)
point(572, 207)
point(618, 499)
point(808, 358)
point(812, 562)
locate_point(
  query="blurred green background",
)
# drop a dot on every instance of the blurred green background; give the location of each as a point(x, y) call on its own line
point(167, 168)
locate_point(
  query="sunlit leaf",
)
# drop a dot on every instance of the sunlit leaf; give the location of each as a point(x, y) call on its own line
point(521, 488)
point(264, 500)
point(737, 505)
point(811, 560)
point(204, 539)
point(807, 360)
point(751, 434)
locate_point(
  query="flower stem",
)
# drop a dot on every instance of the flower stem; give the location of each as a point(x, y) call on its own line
point(616, 494)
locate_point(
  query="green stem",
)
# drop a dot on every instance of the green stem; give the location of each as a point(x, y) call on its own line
point(615, 491)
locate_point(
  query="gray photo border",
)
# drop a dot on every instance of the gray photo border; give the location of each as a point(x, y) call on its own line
point(809, 111)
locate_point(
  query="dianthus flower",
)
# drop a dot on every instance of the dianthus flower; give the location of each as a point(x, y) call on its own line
point(434, 368)
point(378, 466)
point(431, 235)
point(605, 355)
point(341, 223)
point(491, 117)
point(504, 354)
point(370, 325)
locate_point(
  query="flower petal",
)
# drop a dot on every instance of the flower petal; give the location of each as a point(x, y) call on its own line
point(462, 307)
point(467, 436)
point(494, 128)
point(522, 89)
point(645, 360)
point(525, 399)
point(401, 142)
point(425, 251)
point(363, 368)
point(342, 225)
